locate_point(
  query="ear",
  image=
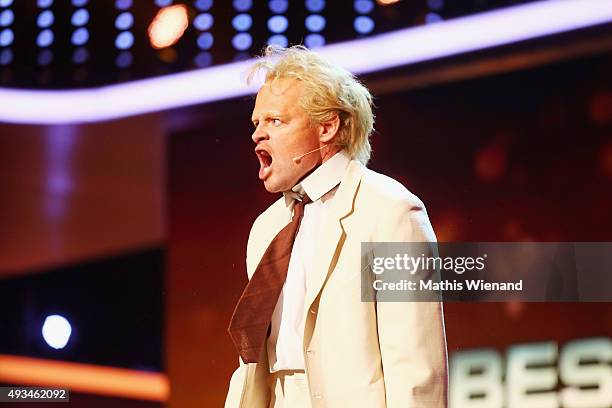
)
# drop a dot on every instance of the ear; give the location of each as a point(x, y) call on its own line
point(329, 128)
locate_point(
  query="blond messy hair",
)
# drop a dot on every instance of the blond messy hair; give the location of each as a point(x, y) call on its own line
point(328, 91)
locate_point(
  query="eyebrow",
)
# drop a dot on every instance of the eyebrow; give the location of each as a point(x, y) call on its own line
point(269, 114)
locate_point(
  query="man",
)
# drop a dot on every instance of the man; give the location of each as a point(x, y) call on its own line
point(304, 336)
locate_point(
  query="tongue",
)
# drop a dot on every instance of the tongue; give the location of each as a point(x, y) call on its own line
point(264, 169)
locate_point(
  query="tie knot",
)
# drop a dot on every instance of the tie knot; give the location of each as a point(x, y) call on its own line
point(306, 199)
point(298, 208)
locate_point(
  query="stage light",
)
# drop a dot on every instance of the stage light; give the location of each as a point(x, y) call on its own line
point(5, 3)
point(205, 41)
point(6, 37)
point(44, 3)
point(80, 17)
point(80, 36)
point(124, 40)
point(123, 4)
point(278, 39)
point(431, 18)
point(56, 331)
point(79, 3)
point(6, 56)
point(80, 55)
point(363, 24)
point(314, 40)
point(242, 41)
point(203, 22)
point(315, 6)
point(163, 3)
point(278, 6)
point(168, 26)
point(124, 59)
point(242, 22)
point(45, 57)
point(203, 5)
point(6, 18)
point(203, 59)
point(363, 6)
point(419, 44)
point(386, 2)
point(315, 23)
point(124, 21)
point(45, 19)
point(435, 4)
point(242, 5)
point(278, 24)
point(45, 38)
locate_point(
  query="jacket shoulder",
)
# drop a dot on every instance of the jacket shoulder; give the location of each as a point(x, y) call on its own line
point(388, 192)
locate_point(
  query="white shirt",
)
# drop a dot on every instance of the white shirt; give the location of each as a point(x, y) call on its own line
point(286, 336)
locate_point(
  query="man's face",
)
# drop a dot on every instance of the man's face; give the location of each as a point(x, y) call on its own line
point(283, 131)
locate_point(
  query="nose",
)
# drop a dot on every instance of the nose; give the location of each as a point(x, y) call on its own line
point(259, 135)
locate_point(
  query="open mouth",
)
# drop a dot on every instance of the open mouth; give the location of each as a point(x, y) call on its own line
point(265, 163)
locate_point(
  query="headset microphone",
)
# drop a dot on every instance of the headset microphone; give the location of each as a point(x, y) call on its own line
point(297, 159)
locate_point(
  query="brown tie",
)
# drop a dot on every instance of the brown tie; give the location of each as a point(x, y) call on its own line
point(253, 313)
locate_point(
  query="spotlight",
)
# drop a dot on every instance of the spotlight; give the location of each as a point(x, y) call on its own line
point(315, 6)
point(45, 19)
point(45, 38)
point(278, 6)
point(124, 40)
point(5, 3)
point(79, 3)
point(6, 18)
point(315, 23)
point(431, 18)
point(363, 6)
point(205, 41)
point(80, 55)
point(44, 3)
point(278, 39)
point(435, 4)
point(6, 37)
point(203, 22)
point(203, 59)
point(124, 21)
point(363, 24)
point(80, 17)
point(203, 5)
point(123, 4)
point(163, 3)
point(278, 24)
point(242, 22)
point(168, 26)
point(314, 40)
point(80, 36)
point(6, 56)
point(124, 59)
point(242, 41)
point(243, 5)
point(56, 331)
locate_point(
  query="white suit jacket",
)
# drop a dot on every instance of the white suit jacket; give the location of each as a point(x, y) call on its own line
point(357, 354)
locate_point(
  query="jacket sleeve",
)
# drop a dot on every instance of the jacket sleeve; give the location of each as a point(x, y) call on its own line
point(411, 334)
point(239, 377)
point(236, 386)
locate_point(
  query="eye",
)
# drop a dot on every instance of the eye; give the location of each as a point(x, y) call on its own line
point(255, 123)
point(276, 122)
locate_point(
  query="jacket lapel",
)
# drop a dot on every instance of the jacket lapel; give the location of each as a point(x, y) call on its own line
point(330, 244)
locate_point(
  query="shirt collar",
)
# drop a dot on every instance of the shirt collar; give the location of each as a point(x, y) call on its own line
point(327, 176)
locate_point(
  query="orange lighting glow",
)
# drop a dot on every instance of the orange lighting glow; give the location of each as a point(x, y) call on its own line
point(85, 378)
point(386, 2)
point(168, 26)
